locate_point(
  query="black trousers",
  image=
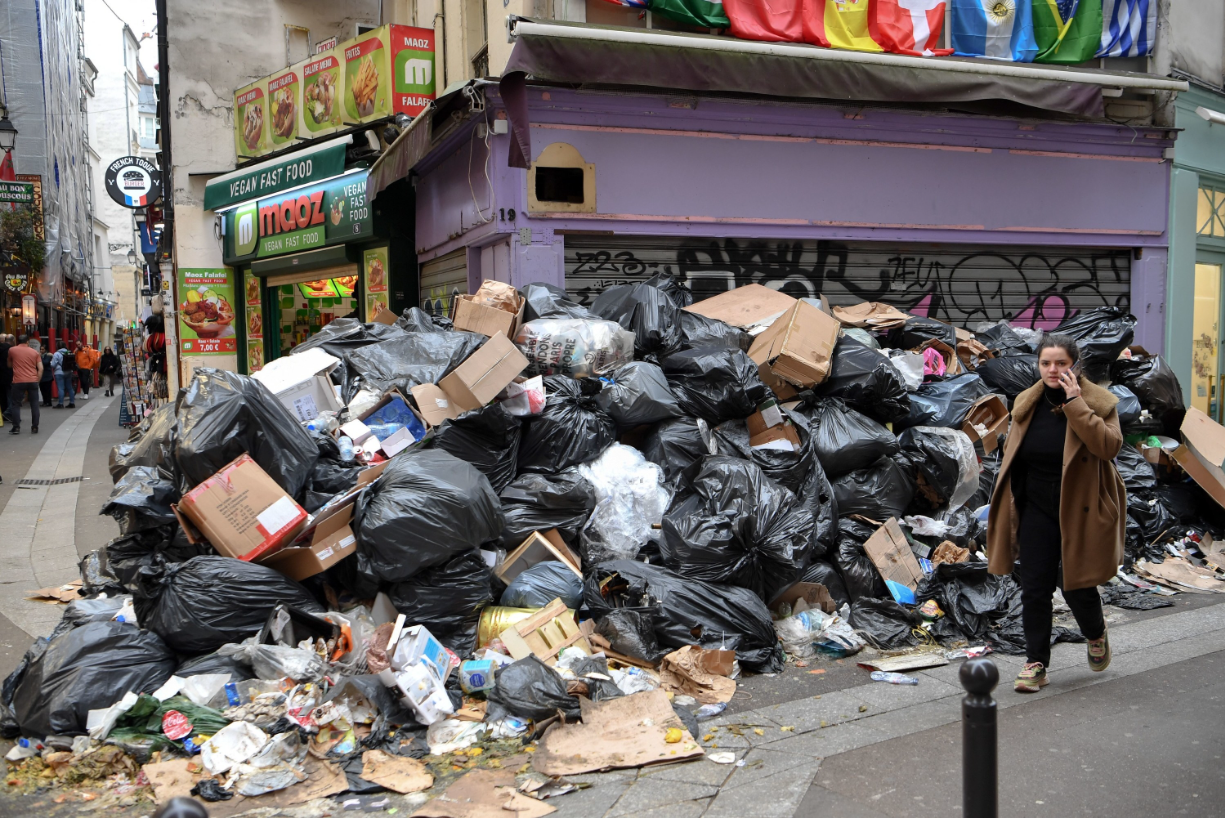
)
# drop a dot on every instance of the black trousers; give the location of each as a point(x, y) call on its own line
point(45, 388)
point(1041, 556)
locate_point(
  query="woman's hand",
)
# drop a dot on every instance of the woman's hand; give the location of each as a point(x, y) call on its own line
point(1070, 384)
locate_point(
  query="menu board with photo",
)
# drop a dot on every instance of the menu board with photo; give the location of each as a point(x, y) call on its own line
point(206, 311)
point(374, 268)
point(283, 103)
point(251, 120)
point(252, 286)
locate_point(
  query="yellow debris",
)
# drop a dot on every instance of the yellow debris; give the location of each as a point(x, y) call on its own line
point(759, 731)
point(674, 735)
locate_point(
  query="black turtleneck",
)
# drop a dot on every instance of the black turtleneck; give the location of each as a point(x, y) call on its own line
point(1039, 460)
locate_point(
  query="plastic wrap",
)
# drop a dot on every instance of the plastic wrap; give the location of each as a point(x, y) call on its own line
point(688, 611)
point(222, 415)
point(846, 440)
point(646, 311)
point(715, 383)
point(427, 507)
point(576, 347)
point(541, 584)
point(571, 430)
point(538, 502)
point(867, 381)
point(447, 599)
point(944, 463)
point(737, 527)
point(1101, 335)
point(944, 403)
point(630, 501)
point(638, 394)
point(488, 438)
point(881, 491)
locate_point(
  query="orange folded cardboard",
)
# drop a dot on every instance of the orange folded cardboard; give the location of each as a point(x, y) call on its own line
point(242, 511)
point(799, 346)
point(473, 384)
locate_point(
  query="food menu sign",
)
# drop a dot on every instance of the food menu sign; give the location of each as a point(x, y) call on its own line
point(255, 322)
point(283, 98)
point(306, 218)
point(251, 120)
point(320, 111)
point(374, 266)
point(206, 311)
point(389, 70)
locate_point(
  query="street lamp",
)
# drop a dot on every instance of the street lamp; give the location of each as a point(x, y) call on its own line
point(132, 257)
point(8, 133)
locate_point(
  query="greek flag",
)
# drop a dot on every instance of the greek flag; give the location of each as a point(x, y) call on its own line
point(997, 29)
point(1129, 28)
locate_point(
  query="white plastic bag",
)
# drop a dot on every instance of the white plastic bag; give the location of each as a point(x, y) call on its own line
point(968, 466)
point(630, 499)
point(277, 661)
point(578, 347)
point(232, 745)
point(909, 365)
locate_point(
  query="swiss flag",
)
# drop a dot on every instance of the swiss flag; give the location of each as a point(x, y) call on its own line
point(908, 26)
point(7, 173)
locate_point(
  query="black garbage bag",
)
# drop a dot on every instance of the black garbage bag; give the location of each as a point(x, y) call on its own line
point(859, 575)
point(447, 599)
point(415, 319)
point(714, 383)
point(331, 475)
point(944, 402)
point(644, 310)
point(938, 466)
point(1007, 635)
point(1128, 406)
point(881, 491)
point(215, 663)
point(9, 728)
point(866, 380)
point(407, 360)
point(631, 632)
point(427, 507)
point(571, 430)
point(1009, 376)
point(129, 556)
point(739, 527)
point(530, 689)
point(1000, 338)
point(1101, 334)
point(678, 446)
point(1157, 524)
point(488, 438)
point(88, 668)
point(141, 499)
point(538, 502)
point(199, 605)
point(969, 596)
point(150, 444)
point(548, 301)
point(700, 331)
point(82, 611)
point(672, 287)
point(1137, 473)
point(1152, 380)
point(345, 335)
point(918, 330)
point(824, 573)
point(1184, 501)
point(886, 624)
point(688, 611)
point(223, 415)
point(543, 583)
point(637, 394)
point(846, 440)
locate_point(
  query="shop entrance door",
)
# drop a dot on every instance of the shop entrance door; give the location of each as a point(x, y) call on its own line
point(298, 305)
point(1206, 359)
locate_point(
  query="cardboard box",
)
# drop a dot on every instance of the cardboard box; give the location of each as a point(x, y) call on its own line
point(1202, 454)
point(799, 346)
point(467, 313)
point(870, 315)
point(397, 442)
point(302, 384)
point(989, 411)
point(242, 511)
point(805, 596)
point(890, 553)
point(473, 384)
point(768, 424)
point(750, 307)
point(536, 549)
point(327, 539)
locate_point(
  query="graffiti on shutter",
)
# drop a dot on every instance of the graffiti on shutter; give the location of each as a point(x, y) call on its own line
point(441, 280)
point(964, 285)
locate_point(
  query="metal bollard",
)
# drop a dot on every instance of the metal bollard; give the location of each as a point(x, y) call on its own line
point(979, 745)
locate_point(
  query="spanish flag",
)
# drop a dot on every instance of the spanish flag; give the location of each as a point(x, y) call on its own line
point(839, 24)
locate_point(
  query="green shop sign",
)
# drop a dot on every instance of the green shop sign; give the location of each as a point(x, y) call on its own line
point(305, 218)
point(18, 192)
point(266, 178)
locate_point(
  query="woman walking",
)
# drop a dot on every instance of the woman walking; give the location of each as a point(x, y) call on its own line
point(1058, 505)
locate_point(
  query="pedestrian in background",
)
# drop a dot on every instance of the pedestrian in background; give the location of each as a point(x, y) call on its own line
point(1058, 505)
point(27, 367)
point(64, 364)
point(85, 367)
point(48, 378)
point(109, 369)
point(6, 374)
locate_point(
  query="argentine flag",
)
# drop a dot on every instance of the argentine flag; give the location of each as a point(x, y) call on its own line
point(1129, 28)
point(996, 29)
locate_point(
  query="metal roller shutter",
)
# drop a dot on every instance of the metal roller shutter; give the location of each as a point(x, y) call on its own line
point(442, 279)
point(961, 284)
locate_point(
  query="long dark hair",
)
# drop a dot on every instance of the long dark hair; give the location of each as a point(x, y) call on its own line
point(1064, 342)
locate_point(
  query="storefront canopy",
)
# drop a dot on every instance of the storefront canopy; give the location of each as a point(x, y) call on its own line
point(313, 164)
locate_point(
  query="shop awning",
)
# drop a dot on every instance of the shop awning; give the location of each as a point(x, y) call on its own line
point(410, 147)
point(598, 55)
point(312, 164)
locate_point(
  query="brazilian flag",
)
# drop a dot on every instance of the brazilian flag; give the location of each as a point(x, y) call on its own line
point(702, 13)
point(1067, 31)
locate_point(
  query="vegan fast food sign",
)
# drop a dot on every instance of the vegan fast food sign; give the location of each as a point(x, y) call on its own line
point(306, 218)
point(386, 71)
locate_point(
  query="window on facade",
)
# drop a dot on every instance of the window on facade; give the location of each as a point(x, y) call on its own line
point(148, 128)
point(559, 185)
point(1210, 212)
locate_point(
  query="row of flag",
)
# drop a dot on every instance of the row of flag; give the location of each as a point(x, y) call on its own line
point(1044, 31)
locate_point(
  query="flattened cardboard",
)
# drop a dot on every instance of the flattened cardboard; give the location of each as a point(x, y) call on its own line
point(992, 412)
point(227, 508)
point(687, 671)
point(434, 405)
point(752, 305)
point(799, 346)
point(469, 315)
point(385, 317)
point(326, 542)
point(618, 733)
point(396, 773)
point(473, 384)
point(1202, 454)
point(538, 548)
point(890, 553)
point(762, 431)
point(870, 315)
point(301, 383)
point(814, 594)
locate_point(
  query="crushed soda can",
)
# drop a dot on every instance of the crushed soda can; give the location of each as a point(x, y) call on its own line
point(476, 676)
point(967, 653)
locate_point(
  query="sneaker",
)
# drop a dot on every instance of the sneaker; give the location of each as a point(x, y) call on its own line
point(16, 430)
point(72, 406)
point(33, 430)
point(59, 406)
point(1031, 679)
point(1099, 653)
point(86, 396)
